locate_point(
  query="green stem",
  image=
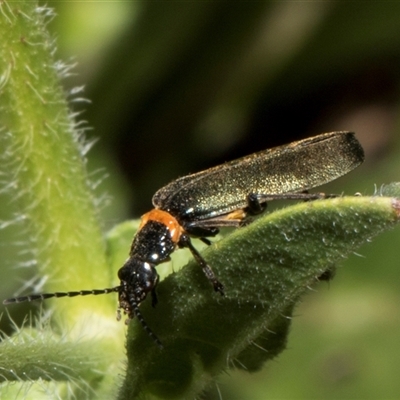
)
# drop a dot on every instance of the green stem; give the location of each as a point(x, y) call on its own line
point(44, 160)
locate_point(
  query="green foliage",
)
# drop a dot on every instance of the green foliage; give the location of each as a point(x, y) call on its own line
point(44, 162)
point(43, 172)
point(266, 267)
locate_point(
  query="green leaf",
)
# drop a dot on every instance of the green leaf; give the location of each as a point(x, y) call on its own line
point(265, 267)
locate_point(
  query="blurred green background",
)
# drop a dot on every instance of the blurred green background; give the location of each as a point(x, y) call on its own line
point(176, 87)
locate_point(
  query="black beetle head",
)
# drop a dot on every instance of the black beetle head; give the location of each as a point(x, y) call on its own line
point(138, 278)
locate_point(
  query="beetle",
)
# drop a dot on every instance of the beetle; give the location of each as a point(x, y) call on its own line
point(197, 205)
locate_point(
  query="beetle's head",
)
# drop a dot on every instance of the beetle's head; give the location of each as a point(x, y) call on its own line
point(138, 278)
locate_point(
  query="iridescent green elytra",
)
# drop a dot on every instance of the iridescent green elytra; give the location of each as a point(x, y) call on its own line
point(291, 168)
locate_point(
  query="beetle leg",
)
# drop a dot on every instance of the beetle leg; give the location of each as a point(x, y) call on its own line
point(254, 204)
point(185, 241)
point(206, 241)
point(154, 299)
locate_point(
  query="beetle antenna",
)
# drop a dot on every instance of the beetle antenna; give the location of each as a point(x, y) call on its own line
point(139, 316)
point(45, 296)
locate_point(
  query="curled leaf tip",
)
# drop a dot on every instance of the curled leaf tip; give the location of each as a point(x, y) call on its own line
point(396, 206)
